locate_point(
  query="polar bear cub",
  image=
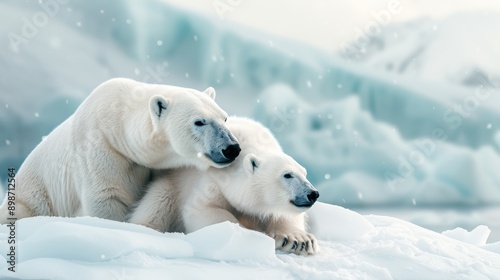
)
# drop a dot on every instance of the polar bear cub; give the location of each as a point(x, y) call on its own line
point(99, 160)
point(264, 190)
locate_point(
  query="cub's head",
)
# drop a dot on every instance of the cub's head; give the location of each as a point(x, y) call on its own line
point(195, 127)
point(277, 184)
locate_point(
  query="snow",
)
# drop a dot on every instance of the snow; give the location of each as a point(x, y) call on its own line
point(477, 236)
point(353, 225)
point(352, 247)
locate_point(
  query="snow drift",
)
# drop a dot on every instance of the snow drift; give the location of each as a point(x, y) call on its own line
point(352, 247)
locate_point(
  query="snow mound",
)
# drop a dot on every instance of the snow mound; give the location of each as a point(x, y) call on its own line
point(88, 238)
point(355, 159)
point(477, 236)
point(334, 223)
point(419, 252)
point(91, 242)
point(352, 247)
point(228, 242)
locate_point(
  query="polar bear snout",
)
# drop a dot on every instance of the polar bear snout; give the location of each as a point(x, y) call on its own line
point(307, 200)
point(306, 196)
point(313, 196)
point(220, 146)
point(225, 156)
point(232, 151)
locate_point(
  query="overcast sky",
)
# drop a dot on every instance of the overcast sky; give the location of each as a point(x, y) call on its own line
point(327, 23)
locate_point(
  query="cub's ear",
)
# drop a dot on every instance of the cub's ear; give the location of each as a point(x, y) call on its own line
point(251, 163)
point(158, 108)
point(211, 92)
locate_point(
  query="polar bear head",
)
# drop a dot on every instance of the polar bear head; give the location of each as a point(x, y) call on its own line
point(269, 183)
point(195, 128)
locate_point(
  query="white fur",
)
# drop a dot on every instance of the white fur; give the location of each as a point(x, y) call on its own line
point(186, 199)
point(98, 161)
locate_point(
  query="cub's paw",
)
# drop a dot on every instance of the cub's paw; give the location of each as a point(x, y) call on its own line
point(297, 242)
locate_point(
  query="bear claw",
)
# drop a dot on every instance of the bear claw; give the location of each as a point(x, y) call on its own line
point(285, 241)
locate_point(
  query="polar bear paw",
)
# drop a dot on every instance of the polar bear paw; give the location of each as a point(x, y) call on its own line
point(297, 242)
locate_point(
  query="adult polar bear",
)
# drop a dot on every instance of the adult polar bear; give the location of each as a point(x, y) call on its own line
point(264, 190)
point(99, 160)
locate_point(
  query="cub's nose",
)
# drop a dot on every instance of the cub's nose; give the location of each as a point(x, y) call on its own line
point(313, 196)
point(232, 151)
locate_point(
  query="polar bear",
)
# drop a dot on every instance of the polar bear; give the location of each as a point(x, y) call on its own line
point(98, 161)
point(264, 190)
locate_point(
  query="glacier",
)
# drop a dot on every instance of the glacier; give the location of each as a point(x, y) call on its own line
point(356, 160)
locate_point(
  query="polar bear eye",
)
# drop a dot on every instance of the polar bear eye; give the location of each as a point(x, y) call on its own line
point(288, 176)
point(199, 123)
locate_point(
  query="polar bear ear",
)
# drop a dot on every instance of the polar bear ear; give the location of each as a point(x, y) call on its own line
point(251, 163)
point(157, 108)
point(211, 92)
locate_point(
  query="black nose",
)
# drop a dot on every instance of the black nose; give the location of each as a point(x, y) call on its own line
point(232, 151)
point(313, 196)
